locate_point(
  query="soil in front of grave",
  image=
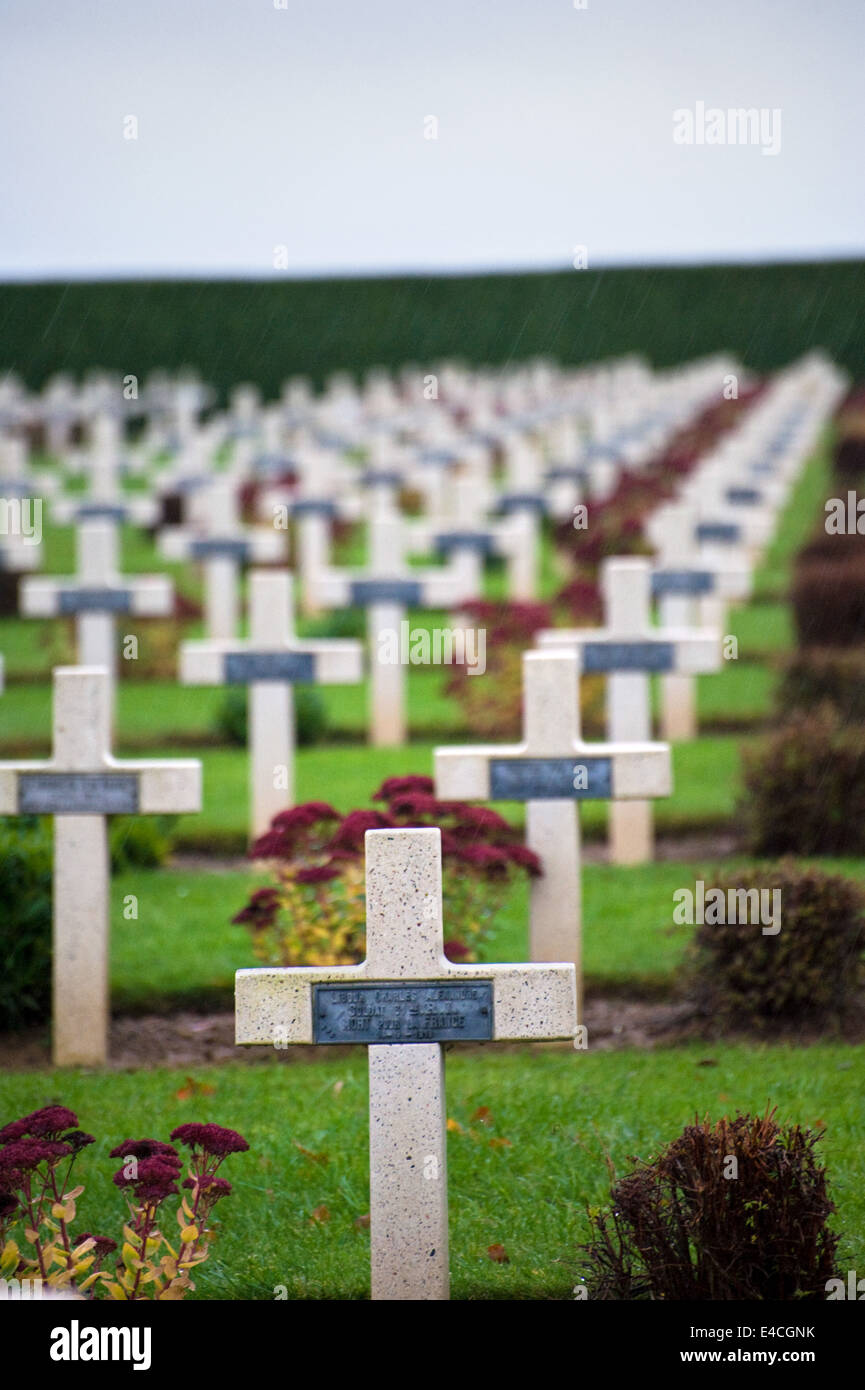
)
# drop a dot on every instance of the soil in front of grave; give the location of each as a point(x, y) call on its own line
point(191, 1039)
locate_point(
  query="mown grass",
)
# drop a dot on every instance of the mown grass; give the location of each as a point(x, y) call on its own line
point(560, 1111)
point(183, 950)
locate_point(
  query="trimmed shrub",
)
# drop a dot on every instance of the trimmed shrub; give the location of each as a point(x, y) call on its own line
point(826, 547)
point(818, 675)
point(310, 715)
point(829, 598)
point(806, 969)
point(25, 921)
point(142, 842)
point(679, 1227)
point(849, 457)
point(805, 788)
point(230, 722)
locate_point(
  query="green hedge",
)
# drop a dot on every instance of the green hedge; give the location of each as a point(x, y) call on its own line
point(266, 330)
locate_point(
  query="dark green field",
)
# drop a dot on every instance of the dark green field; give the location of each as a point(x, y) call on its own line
point(267, 330)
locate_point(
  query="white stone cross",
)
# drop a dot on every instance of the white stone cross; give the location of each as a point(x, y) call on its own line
point(386, 589)
point(627, 650)
point(552, 770)
point(692, 584)
point(80, 786)
point(404, 1002)
point(105, 501)
point(314, 512)
point(464, 531)
point(223, 545)
point(270, 662)
point(95, 596)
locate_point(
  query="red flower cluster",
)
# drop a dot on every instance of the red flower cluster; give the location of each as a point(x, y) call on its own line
point(23, 1156)
point(476, 837)
point(211, 1184)
point(47, 1123)
point(143, 1148)
point(505, 621)
point(152, 1179)
point(402, 786)
point(210, 1139)
point(296, 834)
point(261, 909)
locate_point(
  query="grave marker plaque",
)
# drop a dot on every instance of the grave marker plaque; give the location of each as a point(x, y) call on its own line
point(628, 656)
point(426, 1011)
point(550, 779)
point(212, 548)
point(77, 794)
point(407, 592)
point(720, 532)
point(242, 668)
point(689, 582)
point(71, 601)
point(481, 542)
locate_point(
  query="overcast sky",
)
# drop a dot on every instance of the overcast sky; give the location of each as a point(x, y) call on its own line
point(303, 128)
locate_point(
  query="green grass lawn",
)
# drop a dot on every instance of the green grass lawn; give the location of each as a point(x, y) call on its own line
point(183, 950)
point(149, 713)
point(796, 524)
point(561, 1111)
point(706, 786)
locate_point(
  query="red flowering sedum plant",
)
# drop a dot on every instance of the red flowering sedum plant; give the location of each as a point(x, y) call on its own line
point(315, 913)
point(615, 525)
point(491, 703)
point(38, 1208)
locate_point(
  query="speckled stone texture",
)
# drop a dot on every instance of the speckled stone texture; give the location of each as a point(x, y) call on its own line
point(408, 1177)
point(408, 1191)
point(81, 862)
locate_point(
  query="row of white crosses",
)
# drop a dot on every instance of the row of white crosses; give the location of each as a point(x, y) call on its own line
point(80, 786)
point(105, 499)
point(627, 650)
point(387, 588)
point(462, 528)
point(220, 542)
point(552, 770)
point(270, 662)
point(95, 596)
point(21, 544)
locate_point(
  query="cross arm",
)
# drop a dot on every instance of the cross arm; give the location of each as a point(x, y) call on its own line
point(325, 662)
point(138, 595)
point(502, 772)
point(727, 581)
point(530, 1001)
point(686, 651)
point(115, 787)
point(165, 787)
